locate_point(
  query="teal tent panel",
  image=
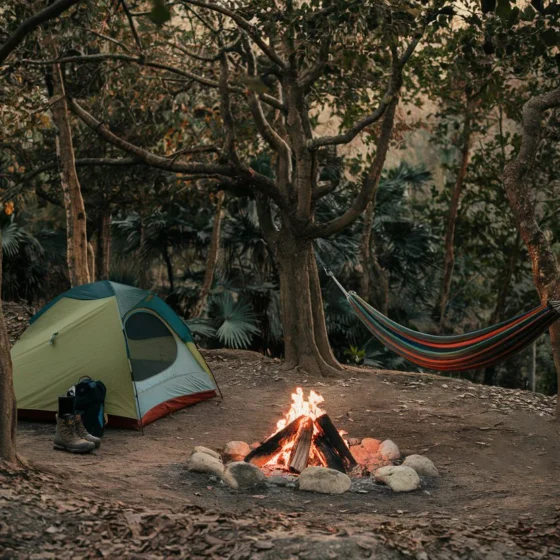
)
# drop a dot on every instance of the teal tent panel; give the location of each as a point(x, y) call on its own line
point(168, 315)
point(127, 297)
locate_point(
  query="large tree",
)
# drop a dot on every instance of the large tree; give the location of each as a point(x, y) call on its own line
point(523, 203)
point(275, 69)
point(8, 415)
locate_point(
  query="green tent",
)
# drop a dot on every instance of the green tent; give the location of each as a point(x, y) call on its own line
point(126, 337)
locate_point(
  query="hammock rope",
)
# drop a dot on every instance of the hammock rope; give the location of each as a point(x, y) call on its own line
point(481, 348)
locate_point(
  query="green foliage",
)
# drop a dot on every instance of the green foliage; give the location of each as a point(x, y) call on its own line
point(355, 355)
point(160, 13)
point(32, 261)
point(235, 321)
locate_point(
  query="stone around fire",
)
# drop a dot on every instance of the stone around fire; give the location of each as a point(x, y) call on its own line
point(236, 451)
point(422, 465)
point(324, 481)
point(399, 479)
point(371, 445)
point(389, 451)
point(201, 449)
point(204, 463)
point(243, 475)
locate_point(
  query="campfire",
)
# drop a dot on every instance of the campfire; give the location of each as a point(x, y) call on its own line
point(305, 437)
point(308, 453)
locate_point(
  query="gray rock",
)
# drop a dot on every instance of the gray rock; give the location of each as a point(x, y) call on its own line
point(399, 479)
point(211, 452)
point(324, 481)
point(202, 462)
point(422, 465)
point(243, 475)
point(236, 450)
point(389, 451)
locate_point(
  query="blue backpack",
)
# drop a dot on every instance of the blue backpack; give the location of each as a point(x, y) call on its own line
point(90, 404)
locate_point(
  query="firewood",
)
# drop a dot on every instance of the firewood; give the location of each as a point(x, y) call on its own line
point(273, 445)
point(329, 456)
point(302, 446)
point(336, 441)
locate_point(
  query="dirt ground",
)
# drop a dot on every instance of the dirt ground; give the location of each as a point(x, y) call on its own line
point(498, 451)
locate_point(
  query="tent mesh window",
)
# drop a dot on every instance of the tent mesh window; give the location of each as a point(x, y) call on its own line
point(152, 346)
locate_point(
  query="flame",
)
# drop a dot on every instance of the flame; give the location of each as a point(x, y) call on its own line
point(299, 407)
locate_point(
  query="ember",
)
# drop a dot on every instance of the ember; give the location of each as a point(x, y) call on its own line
point(305, 437)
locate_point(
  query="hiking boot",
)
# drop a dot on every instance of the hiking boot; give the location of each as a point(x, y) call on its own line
point(66, 438)
point(83, 433)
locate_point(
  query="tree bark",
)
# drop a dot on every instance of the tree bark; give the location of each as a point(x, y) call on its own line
point(306, 343)
point(169, 266)
point(374, 281)
point(449, 261)
point(144, 274)
point(212, 260)
point(77, 245)
point(91, 261)
point(103, 259)
point(546, 270)
point(8, 409)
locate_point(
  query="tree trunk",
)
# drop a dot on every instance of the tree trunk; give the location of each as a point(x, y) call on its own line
point(77, 245)
point(306, 343)
point(91, 261)
point(212, 260)
point(546, 270)
point(104, 245)
point(144, 272)
point(449, 245)
point(8, 409)
point(374, 281)
point(169, 265)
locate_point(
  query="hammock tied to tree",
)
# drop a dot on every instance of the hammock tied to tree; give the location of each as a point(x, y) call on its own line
point(481, 348)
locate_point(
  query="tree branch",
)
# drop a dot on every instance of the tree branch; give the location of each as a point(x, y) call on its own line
point(246, 26)
point(260, 182)
point(132, 25)
point(266, 130)
point(32, 23)
point(324, 189)
point(315, 72)
point(106, 38)
point(268, 229)
point(14, 190)
point(371, 181)
point(522, 200)
point(92, 58)
point(387, 99)
point(225, 109)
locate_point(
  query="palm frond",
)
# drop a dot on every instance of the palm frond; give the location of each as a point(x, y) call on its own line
point(236, 321)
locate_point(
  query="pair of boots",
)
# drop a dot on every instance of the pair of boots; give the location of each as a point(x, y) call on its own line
point(71, 434)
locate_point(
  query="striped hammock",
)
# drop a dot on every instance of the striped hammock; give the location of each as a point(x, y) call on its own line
point(477, 349)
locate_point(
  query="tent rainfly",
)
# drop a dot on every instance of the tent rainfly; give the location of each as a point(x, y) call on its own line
point(126, 337)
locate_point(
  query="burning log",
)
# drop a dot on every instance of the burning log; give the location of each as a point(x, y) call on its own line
point(336, 442)
point(302, 446)
point(262, 454)
point(327, 454)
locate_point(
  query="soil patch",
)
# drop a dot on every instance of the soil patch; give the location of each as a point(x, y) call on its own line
point(497, 450)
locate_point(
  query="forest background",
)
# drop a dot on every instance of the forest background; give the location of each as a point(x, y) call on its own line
point(205, 150)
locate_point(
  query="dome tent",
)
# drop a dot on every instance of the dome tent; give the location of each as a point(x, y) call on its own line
point(126, 337)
